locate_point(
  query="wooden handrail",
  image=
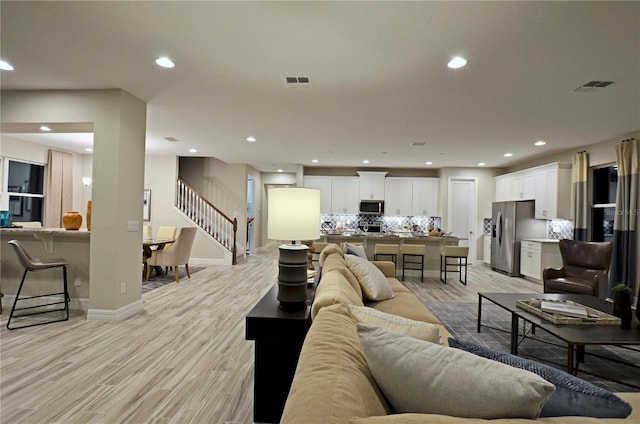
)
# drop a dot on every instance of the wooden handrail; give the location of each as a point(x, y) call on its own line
point(208, 217)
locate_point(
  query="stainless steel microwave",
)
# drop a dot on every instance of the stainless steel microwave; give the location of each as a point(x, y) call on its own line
point(372, 207)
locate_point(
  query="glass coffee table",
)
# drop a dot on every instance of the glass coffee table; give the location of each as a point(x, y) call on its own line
point(575, 336)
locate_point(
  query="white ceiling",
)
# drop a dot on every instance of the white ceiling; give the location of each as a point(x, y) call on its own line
point(378, 72)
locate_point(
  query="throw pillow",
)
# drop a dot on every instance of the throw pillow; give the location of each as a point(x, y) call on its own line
point(573, 396)
point(401, 325)
point(373, 282)
point(422, 377)
point(354, 249)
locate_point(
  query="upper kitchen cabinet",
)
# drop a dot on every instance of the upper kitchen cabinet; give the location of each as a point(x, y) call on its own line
point(516, 186)
point(371, 185)
point(425, 197)
point(345, 193)
point(398, 196)
point(324, 185)
point(553, 191)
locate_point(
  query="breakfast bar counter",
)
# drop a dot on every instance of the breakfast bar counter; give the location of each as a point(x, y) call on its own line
point(433, 246)
point(47, 243)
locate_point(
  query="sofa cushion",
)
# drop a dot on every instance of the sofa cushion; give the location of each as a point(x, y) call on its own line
point(418, 329)
point(573, 395)
point(354, 249)
point(328, 250)
point(334, 288)
point(570, 285)
point(373, 282)
point(332, 382)
point(337, 262)
point(418, 376)
point(404, 303)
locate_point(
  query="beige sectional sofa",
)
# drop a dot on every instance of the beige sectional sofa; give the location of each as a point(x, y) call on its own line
point(333, 383)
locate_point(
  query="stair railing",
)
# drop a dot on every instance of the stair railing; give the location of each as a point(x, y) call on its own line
point(212, 220)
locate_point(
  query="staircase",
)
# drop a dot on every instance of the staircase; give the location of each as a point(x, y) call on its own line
point(213, 221)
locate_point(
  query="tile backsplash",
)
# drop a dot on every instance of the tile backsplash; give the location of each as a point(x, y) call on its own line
point(556, 228)
point(388, 222)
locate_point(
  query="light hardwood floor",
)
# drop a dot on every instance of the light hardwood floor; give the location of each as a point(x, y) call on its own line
point(184, 360)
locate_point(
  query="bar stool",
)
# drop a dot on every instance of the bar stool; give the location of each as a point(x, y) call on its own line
point(415, 254)
point(385, 250)
point(31, 264)
point(459, 253)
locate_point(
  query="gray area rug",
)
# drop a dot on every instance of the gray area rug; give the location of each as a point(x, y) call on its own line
point(604, 366)
point(156, 281)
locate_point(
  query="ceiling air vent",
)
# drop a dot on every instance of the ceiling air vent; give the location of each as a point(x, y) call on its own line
point(419, 143)
point(298, 82)
point(592, 86)
point(171, 139)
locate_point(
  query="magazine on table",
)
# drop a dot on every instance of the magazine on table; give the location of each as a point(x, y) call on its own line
point(565, 308)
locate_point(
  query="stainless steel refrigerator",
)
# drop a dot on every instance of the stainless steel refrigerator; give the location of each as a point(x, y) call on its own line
point(510, 223)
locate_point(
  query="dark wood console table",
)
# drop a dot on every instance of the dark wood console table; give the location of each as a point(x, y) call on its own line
point(278, 336)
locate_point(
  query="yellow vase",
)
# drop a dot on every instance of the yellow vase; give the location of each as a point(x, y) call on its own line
point(72, 220)
point(88, 215)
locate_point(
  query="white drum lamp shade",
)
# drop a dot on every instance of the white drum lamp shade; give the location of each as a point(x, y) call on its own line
point(294, 214)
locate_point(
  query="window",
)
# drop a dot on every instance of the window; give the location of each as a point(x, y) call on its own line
point(603, 196)
point(25, 186)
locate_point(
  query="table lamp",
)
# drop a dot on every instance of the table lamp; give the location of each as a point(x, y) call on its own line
point(294, 214)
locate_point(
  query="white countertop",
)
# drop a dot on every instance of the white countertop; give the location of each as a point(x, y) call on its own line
point(535, 240)
point(52, 231)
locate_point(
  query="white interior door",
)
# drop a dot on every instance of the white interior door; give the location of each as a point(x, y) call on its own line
point(462, 212)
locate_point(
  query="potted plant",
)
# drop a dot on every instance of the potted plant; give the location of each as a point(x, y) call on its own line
point(622, 304)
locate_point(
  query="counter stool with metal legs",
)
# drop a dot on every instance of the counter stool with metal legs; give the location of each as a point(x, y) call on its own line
point(381, 251)
point(31, 264)
point(413, 258)
point(459, 253)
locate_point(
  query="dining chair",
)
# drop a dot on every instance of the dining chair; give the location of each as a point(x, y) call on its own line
point(166, 233)
point(34, 265)
point(177, 253)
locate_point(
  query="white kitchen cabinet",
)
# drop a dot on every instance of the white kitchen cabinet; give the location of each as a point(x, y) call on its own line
point(523, 186)
point(425, 197)
point(398, 196)
point(324, 185)
point(345, 195)
point(515, 186)
point(371, 185)
point(553, 191)
point(503, 188)
point(536, 255)
point(486, 251)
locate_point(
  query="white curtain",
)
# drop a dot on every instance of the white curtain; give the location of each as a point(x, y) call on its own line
point(59, 189)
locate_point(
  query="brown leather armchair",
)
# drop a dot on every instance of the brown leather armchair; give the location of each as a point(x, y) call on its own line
point(585, 269)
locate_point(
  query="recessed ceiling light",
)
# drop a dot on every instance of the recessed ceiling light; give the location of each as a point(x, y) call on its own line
point(251, 139)
point(428, 163)
point(5, 66)
point(88, 149)
point(457, 62)
point(540, 143)
point(193, 151)
point(45, 128)
point(481, 164)
point(165, 62)
point(279, 170)
point(508, 155)
point(314, 160)
point(365, 161)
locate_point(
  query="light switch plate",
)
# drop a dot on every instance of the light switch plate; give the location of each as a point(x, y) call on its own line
point(133, 225)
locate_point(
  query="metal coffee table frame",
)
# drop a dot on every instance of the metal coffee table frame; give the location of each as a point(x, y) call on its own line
point(575, 336)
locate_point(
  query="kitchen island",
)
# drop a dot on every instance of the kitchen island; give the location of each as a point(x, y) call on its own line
point(433, 246)
point(46, 243)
